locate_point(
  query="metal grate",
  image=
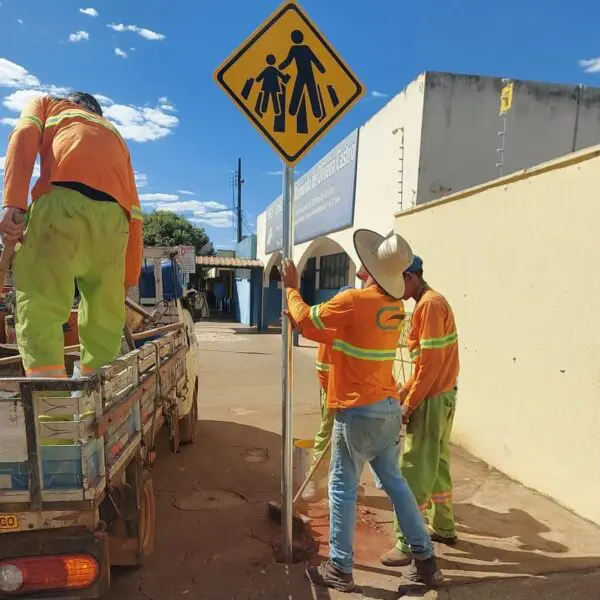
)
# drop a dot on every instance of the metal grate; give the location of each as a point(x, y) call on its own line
point(403, 366)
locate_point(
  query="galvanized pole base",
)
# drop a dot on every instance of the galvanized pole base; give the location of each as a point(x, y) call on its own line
point(287, 487)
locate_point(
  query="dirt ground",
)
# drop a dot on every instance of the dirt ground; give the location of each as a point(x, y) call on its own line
point(215, 541)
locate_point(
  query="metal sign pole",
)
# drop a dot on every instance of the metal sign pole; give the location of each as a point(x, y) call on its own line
point(287, 441)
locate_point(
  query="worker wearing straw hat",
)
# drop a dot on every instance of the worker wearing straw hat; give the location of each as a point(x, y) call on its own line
point(363, 392)
point(429, 402)
point(316, 489)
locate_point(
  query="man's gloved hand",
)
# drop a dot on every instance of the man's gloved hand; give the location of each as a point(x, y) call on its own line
point(12, 225)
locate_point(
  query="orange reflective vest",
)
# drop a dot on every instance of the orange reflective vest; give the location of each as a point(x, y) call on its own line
point(433, 347)
point(367, 325)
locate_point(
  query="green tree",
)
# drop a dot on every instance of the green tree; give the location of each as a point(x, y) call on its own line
point(164, 228)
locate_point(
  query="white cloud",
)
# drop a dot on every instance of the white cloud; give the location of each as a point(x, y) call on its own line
point(185, 192)
point(120, 53)
point(591, 65)
point(137, 123)
point(222, 220)
point(79, 36)
point(20, 21)
point(145, 33)
point(376, 94)
point(15, 76)
point(158, 197)
point(166, 104)
point(141, 179)
point(90, 12)
point(103, 100)
point(274, 173)
point(141, 123)
point(8, 121)
point(200, 213)
point(18, 100)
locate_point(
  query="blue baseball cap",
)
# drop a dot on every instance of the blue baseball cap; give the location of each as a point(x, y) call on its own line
point(416, 265)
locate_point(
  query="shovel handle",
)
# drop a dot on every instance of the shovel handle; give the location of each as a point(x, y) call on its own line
point(311, 472)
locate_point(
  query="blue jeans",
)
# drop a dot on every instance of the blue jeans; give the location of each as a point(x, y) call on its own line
point(369, 434)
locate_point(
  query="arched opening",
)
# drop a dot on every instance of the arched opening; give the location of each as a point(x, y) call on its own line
point(272, 292)
point(325, 267)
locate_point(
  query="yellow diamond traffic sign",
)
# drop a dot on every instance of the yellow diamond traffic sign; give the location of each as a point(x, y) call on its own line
point(289, 82)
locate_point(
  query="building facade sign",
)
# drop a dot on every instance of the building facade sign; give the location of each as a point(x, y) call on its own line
point(324, 200)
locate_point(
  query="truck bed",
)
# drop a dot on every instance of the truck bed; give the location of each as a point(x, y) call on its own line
point(63, 443)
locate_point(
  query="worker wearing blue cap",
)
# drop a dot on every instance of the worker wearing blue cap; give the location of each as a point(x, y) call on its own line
point(429, 401)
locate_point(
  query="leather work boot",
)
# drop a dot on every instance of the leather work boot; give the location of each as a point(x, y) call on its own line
point(426, 572)
point(328, 575)
point(395, 558)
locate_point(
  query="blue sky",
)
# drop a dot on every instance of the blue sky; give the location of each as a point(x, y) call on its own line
point(152, 61)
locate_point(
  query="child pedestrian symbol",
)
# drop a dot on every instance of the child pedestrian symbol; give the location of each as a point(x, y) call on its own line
point(271, 89)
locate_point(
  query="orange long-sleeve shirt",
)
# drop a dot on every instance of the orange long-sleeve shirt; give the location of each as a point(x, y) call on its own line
point(433, 346)
point(75, 145)
point(325, 338)
point(367, 326)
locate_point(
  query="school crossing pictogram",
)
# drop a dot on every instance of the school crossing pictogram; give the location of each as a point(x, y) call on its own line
point(290, 82)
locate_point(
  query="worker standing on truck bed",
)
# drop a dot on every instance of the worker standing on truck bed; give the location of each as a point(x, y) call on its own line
point(429, 400)
point(363, 392)
point(84, 226)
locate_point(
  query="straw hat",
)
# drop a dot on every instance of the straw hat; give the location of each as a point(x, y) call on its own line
point(384, 258)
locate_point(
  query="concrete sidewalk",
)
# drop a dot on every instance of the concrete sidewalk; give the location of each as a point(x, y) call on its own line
point(214, 540)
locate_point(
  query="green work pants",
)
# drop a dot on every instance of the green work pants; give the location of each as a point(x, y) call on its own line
point(324, 433)
point(426, 464)
point(70, 238)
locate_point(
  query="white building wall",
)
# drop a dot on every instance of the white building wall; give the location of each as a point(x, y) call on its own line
point(461, 123)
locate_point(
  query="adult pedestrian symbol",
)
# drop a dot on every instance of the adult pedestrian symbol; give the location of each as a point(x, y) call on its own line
point(290, 82)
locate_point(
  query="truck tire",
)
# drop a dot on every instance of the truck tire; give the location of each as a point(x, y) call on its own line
point(132, 527)
point(187, 424)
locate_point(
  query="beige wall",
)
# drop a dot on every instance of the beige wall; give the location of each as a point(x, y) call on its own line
point(519, 260)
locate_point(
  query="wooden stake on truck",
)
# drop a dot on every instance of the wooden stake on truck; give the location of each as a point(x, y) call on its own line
point(76, 492)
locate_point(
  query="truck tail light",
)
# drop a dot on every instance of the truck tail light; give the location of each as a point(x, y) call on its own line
point(47, 573)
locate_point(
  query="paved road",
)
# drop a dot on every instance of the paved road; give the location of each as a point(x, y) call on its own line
point(215, 542)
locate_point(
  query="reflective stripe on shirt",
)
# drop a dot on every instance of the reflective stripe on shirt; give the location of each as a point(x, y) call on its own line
point(371, 354)
point(80, 114)
point(315, 318)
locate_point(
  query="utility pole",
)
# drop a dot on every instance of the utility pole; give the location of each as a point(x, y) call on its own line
point(239, 201)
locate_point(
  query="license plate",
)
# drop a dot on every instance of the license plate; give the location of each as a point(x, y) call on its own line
point(9, 522)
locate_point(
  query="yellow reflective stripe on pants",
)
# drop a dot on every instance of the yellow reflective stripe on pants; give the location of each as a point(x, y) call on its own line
point(426, 463)
point(71, 238)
